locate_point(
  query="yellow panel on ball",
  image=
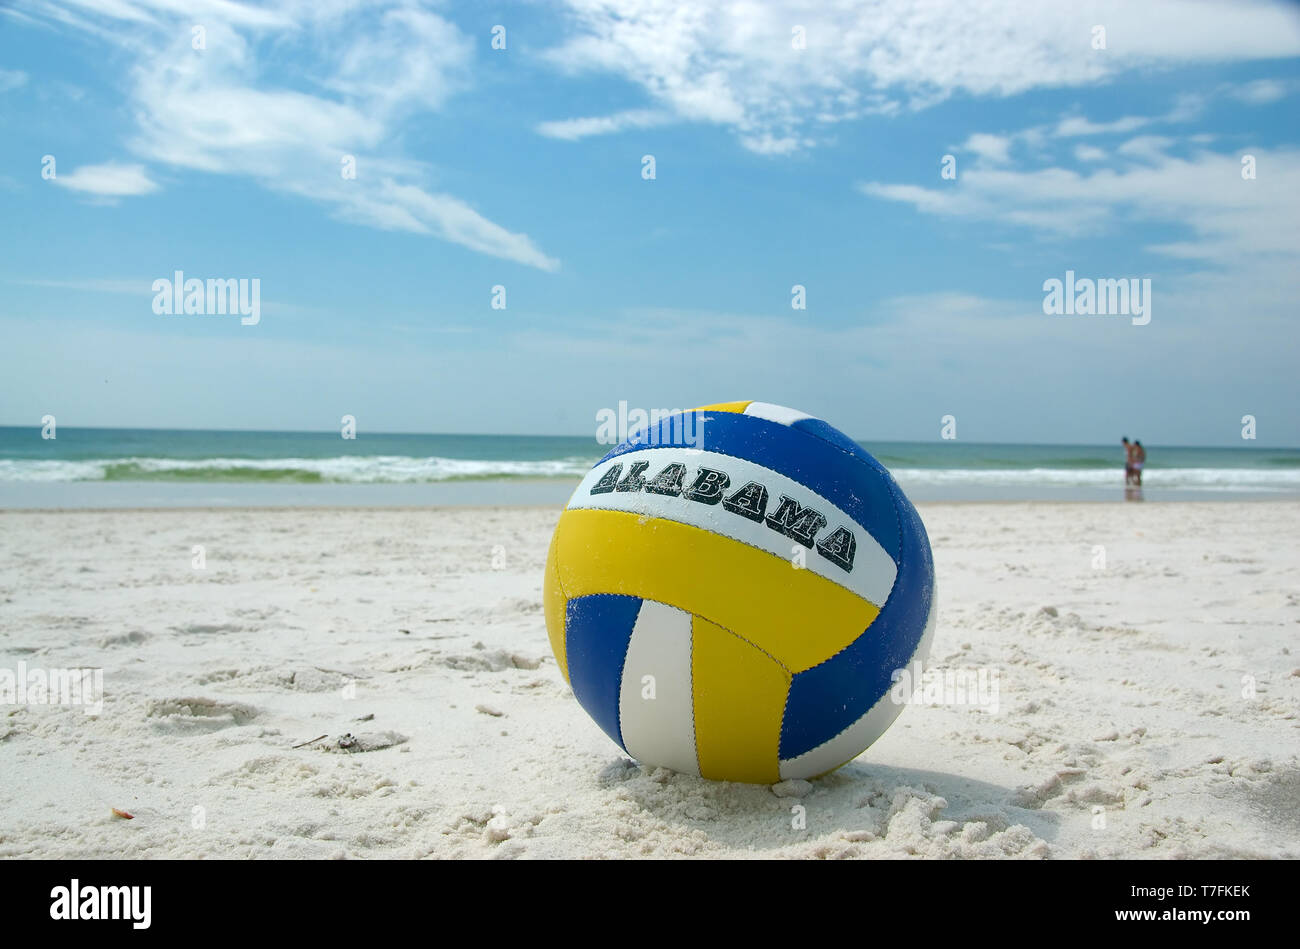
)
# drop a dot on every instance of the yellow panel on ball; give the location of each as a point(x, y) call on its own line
point(554, 603)
point(739, 693)
point(800, 618)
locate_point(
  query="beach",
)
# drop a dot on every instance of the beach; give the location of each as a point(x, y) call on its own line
point(377, 682)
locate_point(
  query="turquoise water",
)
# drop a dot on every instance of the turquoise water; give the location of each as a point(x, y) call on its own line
point(70, 467)
point(102, 454)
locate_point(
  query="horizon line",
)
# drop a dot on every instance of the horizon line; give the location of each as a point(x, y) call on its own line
point(334, 432)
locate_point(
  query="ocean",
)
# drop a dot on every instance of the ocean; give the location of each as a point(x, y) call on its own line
point(98, 467)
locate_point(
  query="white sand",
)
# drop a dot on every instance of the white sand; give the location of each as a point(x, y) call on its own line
point(1121, 729)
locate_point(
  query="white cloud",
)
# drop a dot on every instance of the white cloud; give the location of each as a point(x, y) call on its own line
point(1263, 91)
point(1187, 107)
point(1150, 148)
point(454, 220)
point(1232, 223)
point(765, 143)
point(108, 180)
point(994, 148)
point(139, 286)
point(734, 64)
point(11, 79)
point(1077, 125)
point(361, 71)
point(573, 129)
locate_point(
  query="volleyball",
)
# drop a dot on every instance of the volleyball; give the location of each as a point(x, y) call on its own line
point(730, 591)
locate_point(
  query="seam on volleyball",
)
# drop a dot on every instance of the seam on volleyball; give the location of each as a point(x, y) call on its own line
point(695, 738)
point(896, 496)
point(874, 705)
point(815, 747)
point(725, 629)
point(782, 665)
point(785, 707)
point(622, 666)
point(929, 618)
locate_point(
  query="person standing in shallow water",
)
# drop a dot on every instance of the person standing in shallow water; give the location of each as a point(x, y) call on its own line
point(1139, 460)
point(1128, 460)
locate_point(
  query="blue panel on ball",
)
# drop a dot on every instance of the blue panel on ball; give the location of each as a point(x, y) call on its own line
point(597, 630)
point(829, 697)
point(835, 467)
point(824, 430)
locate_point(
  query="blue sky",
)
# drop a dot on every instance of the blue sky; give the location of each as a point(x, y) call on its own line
point(775, 166)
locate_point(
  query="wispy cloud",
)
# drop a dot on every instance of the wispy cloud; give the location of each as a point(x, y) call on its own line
point(740, 64)
point(139, 286)
point(12, 79)
point(573, 129)
point(1077, 125)
point(1231, 221)
point(1150, 148)
point(997, 149)
point(109, 180)
point(210, 102)
point(994, 148)
point(1263, 91)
